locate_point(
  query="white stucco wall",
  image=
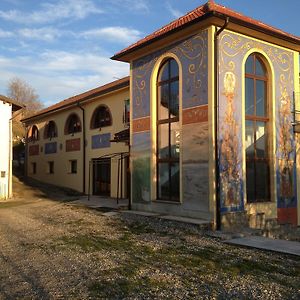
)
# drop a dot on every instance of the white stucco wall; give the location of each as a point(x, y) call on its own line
point(5, 149)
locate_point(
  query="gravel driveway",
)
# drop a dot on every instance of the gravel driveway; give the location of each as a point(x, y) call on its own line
point(53, 250)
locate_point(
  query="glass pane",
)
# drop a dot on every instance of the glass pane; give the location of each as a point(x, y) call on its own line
point(259, 70)
point(261, 140)
point(174, 68)
point(260, 98)
point(174, 99)
point(175, 139)
point(163, 140)
point(250, 64)
point(249, 136)
point(175, 181)
point(164, 72)
point(163, 102)
point(163, 181)
point(249, 109)
point(262, 181)
point(250, 181)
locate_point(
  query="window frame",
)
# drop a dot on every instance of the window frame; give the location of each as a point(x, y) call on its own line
point(50, 167)
point(94, 118)
point(71, 170)
point(77, 128)
point(254, 119)
point(170, 160)
point(53, 128)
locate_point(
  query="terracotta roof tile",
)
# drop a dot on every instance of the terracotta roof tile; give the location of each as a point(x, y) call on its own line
point(199, 12)
point(112, 86)
point(16, 104)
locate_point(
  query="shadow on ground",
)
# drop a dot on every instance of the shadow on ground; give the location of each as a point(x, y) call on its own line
point(26, 187)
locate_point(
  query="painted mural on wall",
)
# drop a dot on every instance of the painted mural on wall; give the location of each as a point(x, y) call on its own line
point(230, 148)
point(233, 49)
point(141, 167)
point(192, 53)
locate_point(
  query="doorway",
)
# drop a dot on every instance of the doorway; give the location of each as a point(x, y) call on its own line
point(102, 177)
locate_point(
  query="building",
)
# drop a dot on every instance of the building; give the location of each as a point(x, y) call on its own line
point(77, 143)
point(7, 107)
point(211, 128)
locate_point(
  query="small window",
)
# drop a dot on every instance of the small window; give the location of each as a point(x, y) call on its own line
point(50, 130)
point(73, 124)
point(50, 167)
point(73, 166)
point(126, 114)
point(101, 117)
point(33, 168)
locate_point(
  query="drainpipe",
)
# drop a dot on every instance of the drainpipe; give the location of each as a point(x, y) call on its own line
point(84, 144)
point(216, 123)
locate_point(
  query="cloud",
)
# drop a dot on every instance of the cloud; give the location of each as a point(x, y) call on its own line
point(133, 5)
point(45, 33)
point(6, 34)
point(57, 75)
point(116, 34)
point(175, 12)
point(51, 12)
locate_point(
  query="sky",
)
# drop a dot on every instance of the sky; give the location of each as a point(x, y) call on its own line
point(63, 47)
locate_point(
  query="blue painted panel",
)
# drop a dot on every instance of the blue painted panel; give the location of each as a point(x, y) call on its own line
point(50, 148)
point(101, 141)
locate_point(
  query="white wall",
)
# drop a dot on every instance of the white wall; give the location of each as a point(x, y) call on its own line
point(5, 150)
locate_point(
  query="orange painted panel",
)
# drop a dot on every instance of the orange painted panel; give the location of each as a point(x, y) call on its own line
point(33, 150)
point(195, 115)
point(73, 145)
point(142, 124)
point(287, 215)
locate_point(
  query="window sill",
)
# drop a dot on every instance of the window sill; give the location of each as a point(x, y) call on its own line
point(166, 201)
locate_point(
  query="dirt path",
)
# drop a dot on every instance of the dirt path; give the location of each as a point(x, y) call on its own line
point(52, 250)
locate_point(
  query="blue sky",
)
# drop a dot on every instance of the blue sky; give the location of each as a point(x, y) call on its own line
point(62, 47)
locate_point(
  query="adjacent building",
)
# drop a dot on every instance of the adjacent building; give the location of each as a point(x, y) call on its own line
point(211, 124)
point(81, 142)
point(7, 107)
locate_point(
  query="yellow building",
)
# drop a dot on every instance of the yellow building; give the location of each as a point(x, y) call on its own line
point(211, 128)
point(74, 144)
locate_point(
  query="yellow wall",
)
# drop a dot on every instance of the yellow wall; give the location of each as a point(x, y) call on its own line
point(62, 175)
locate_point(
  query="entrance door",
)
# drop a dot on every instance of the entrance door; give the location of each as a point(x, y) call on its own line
point(101, 177)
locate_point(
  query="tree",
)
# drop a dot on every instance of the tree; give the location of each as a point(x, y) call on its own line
point(22, 92)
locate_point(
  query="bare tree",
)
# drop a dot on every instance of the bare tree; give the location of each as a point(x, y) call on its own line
point(22, 92)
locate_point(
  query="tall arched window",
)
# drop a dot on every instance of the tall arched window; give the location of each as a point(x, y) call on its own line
point(101, 117)
point(73, 124)
point(50, 130)
point(257, 130)
point(168, 132)
point(33, 134)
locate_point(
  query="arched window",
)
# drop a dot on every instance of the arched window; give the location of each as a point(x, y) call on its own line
point(33, 134)
point(50, 130)
point(168, 132)
point(257, 130)
point(73, 124)
point(101, 117)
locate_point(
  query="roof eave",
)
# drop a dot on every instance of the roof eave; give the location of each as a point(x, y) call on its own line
point(120, 86)
point(123, 56)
